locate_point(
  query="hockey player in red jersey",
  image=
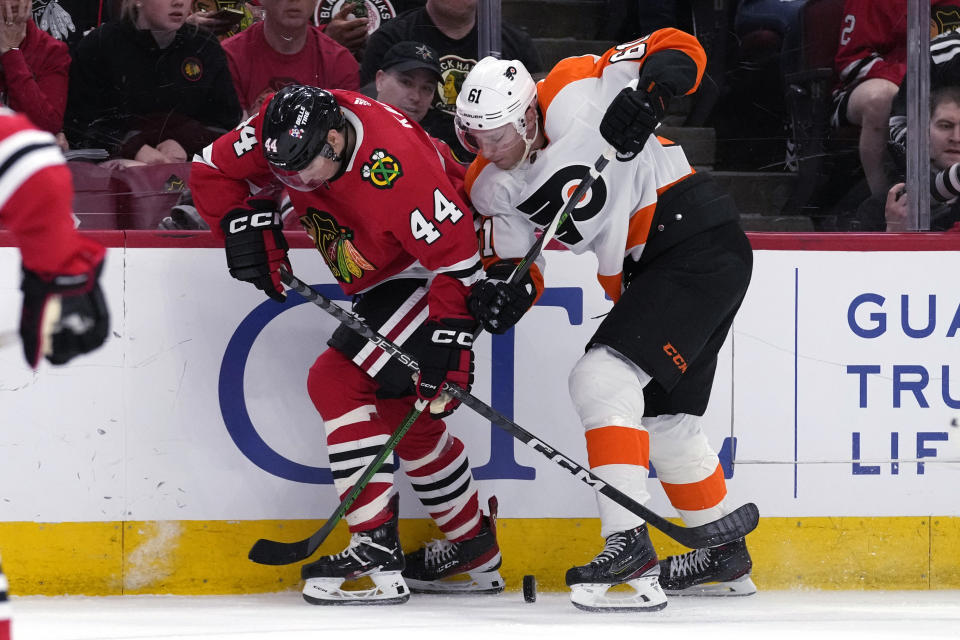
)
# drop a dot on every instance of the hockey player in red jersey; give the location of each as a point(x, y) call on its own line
point(672, 257)
point(64, 313)
point(371, 190)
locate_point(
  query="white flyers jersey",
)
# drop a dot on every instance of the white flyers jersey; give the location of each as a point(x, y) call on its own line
point(613, 219)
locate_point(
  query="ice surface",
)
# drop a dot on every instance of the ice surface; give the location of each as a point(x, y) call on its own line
point(811, 615)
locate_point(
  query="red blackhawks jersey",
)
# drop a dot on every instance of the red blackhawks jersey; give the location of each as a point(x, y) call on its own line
point(873, 38)
point(396, 211)
point(36, 200)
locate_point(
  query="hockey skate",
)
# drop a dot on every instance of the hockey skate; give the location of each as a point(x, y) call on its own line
point(627, 558)
point(468, 566)
point(719, 571)
point(375, 553)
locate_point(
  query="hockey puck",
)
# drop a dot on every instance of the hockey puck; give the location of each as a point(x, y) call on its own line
point(529, 588)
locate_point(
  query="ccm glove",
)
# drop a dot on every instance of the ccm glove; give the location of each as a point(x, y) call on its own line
point(497, 304)
point(63, 315)
point(633, 116)
point(447, 358)
point(256, 247)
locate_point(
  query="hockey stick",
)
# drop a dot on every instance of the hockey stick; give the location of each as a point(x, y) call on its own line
point(592, 174)
point(273, 552)
point(730, 527)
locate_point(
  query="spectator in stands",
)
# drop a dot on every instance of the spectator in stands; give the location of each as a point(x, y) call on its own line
point(286, 49)
point(149, 87)
point(407, 78)
point(889, 211)
point(34, 68)
point(70, 20)
point(944, 72)
point(870, 62)
point(450, 27)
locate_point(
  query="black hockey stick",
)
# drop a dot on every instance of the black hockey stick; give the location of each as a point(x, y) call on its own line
point(730, 527)
point(273, 552)
point(592, 174)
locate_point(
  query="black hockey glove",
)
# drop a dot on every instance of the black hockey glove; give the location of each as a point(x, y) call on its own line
point(448, 358)
point(633, 116)
point(256, 247)
point(63, 315)
point(497, 304)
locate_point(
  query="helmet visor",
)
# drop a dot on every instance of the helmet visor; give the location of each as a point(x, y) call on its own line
point(492, 143)
point(313, 176)
point(466, 137)
point(294, 180)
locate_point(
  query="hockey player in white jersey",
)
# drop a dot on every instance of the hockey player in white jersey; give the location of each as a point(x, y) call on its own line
point(671, 255)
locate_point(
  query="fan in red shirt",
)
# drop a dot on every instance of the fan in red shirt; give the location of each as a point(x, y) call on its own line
point(34, 69)
point(373, 192)
point(284, 48)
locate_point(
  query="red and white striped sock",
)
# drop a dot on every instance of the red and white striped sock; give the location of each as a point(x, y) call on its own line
point(4, 608)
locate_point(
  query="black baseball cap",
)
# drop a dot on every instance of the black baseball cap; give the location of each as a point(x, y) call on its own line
point(408, 55)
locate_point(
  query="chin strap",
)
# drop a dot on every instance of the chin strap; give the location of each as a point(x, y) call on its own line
point(527, 144)
point(339, 157)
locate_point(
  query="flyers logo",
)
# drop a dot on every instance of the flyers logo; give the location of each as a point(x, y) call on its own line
point(547, 201)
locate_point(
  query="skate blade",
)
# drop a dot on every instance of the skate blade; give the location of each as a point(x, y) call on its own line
point(489, 582)
point(740, 587)
point(388, 588)
point(645, 594)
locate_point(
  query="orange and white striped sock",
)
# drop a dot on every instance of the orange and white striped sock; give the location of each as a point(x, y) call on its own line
point(688, 468)
point(620, 455)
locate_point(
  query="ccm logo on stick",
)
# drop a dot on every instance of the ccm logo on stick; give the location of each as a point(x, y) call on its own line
point(261, 219)
point(449, 336)
point(563, 461)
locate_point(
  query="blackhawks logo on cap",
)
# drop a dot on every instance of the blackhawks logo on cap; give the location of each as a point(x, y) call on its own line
point(383, 169)
point(335, 244)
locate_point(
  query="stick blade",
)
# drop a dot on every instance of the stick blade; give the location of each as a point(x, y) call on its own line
point(730, 527)
point(274, 553)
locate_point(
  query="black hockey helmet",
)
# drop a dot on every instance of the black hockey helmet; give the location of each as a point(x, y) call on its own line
point(296, 124)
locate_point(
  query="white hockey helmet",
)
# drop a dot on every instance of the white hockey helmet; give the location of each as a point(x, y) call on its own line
point(494, 93)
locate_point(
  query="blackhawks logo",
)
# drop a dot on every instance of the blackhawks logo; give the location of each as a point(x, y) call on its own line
point(382, 171)
point(192, 69)
point(335, 245)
